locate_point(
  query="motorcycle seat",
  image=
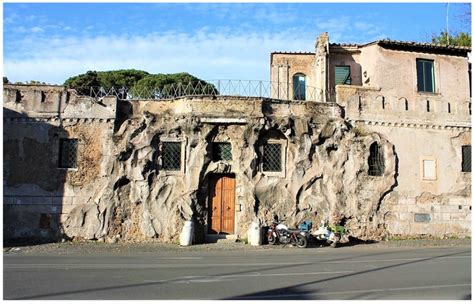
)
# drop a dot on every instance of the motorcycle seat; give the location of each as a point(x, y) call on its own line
point(294, 230)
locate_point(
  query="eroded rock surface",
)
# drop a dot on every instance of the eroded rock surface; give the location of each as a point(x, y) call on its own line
point(324, 172)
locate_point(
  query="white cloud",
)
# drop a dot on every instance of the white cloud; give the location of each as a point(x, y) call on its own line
point(36, 29)
point(207, 55)
point(363, 26)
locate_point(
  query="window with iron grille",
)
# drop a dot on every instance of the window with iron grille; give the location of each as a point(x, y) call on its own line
point(376, 160)
point(272, 158)
point(68, 153)
point(425, 75)
point(221, 151)
point(171, 156)
point(466, 158)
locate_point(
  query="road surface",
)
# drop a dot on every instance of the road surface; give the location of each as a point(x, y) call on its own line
point(274, 274)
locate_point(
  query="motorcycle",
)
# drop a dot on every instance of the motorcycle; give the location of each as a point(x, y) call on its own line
point(331, 234)
point(279, 233)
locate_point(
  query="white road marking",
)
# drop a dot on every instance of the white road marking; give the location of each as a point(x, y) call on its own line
point(208, 279)
point(120, 266)
point(203, 265)
point(355, 291)
point(395, 260)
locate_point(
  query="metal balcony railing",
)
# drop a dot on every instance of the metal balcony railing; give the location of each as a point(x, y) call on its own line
point(245, 88)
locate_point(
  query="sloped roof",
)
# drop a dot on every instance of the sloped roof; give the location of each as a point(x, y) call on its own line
point(420, 44)
point(295, 53)
point(400, 45)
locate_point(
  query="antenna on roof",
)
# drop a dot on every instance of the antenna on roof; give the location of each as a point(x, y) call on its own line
point(447, 22)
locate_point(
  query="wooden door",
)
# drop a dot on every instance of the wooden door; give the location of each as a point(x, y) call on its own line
point(222, 199)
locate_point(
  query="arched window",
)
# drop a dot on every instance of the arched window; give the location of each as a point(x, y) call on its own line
point(376, 161)
point(299, 87)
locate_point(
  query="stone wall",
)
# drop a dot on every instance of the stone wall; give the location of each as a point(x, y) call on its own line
point(324, 170)
point(38, 196)
point(120, 189)
point(436, 206)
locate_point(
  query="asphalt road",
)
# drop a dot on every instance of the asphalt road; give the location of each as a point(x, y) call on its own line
point(312, 273)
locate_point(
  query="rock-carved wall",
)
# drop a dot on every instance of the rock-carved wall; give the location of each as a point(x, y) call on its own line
point(324, 172)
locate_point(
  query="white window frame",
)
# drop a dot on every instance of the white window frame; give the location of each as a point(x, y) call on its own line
point(182, 169)
point(284, 147)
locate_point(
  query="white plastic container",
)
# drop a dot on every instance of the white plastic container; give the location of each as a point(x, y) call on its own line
point(186, 236)
point(255, 235)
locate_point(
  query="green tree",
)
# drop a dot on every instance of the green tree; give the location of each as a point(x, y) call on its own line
point(82, 83)
point(170, 85)
point(120, 78)
point(140, 83)
point(5, 80)
point(458, 39)
point(106, 79)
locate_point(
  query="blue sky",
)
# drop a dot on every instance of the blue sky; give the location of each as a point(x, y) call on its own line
point(51, 41)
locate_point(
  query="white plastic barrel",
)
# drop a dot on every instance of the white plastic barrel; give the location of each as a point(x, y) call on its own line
point(186, 236)
point(255, 236)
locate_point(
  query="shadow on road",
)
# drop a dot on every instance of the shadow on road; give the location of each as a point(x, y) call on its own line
point(291, 292)
point(286, 293)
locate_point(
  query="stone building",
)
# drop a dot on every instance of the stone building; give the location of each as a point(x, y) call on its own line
point(375, 136)
point(418, 97)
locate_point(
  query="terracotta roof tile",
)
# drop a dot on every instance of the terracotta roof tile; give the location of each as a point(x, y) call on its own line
point(296, 53)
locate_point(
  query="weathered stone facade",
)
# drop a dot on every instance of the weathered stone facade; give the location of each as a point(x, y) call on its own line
point(383, 97)
point(127, 186)
point(37, 195)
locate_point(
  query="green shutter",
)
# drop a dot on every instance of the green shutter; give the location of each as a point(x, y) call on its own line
point(343, 75)
point(419, 74)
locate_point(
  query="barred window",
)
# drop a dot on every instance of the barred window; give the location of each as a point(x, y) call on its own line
point(171, 156)
point(466, 158)
point(221, 151)
point(376, 160)
point(272, 158)
point(68, 153)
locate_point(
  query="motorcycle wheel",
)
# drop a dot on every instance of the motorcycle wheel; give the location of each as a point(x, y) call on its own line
point(271, 239)
point(301, 241)
point(336, 241)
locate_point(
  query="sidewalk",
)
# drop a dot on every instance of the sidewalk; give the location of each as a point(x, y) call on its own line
point(130, 248)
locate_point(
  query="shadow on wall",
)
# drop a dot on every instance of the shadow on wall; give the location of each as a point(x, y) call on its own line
point(33, 184)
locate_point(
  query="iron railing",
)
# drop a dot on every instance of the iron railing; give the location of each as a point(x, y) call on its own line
point(245, 88)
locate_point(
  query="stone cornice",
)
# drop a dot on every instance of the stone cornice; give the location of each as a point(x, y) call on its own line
point(417, 125)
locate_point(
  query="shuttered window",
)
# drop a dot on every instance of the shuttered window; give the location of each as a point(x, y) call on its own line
point(466, 158)
point(425, 75)
point(343, 75)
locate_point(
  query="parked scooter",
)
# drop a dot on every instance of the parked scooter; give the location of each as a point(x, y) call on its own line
point(331, 234)
point(279, 233)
